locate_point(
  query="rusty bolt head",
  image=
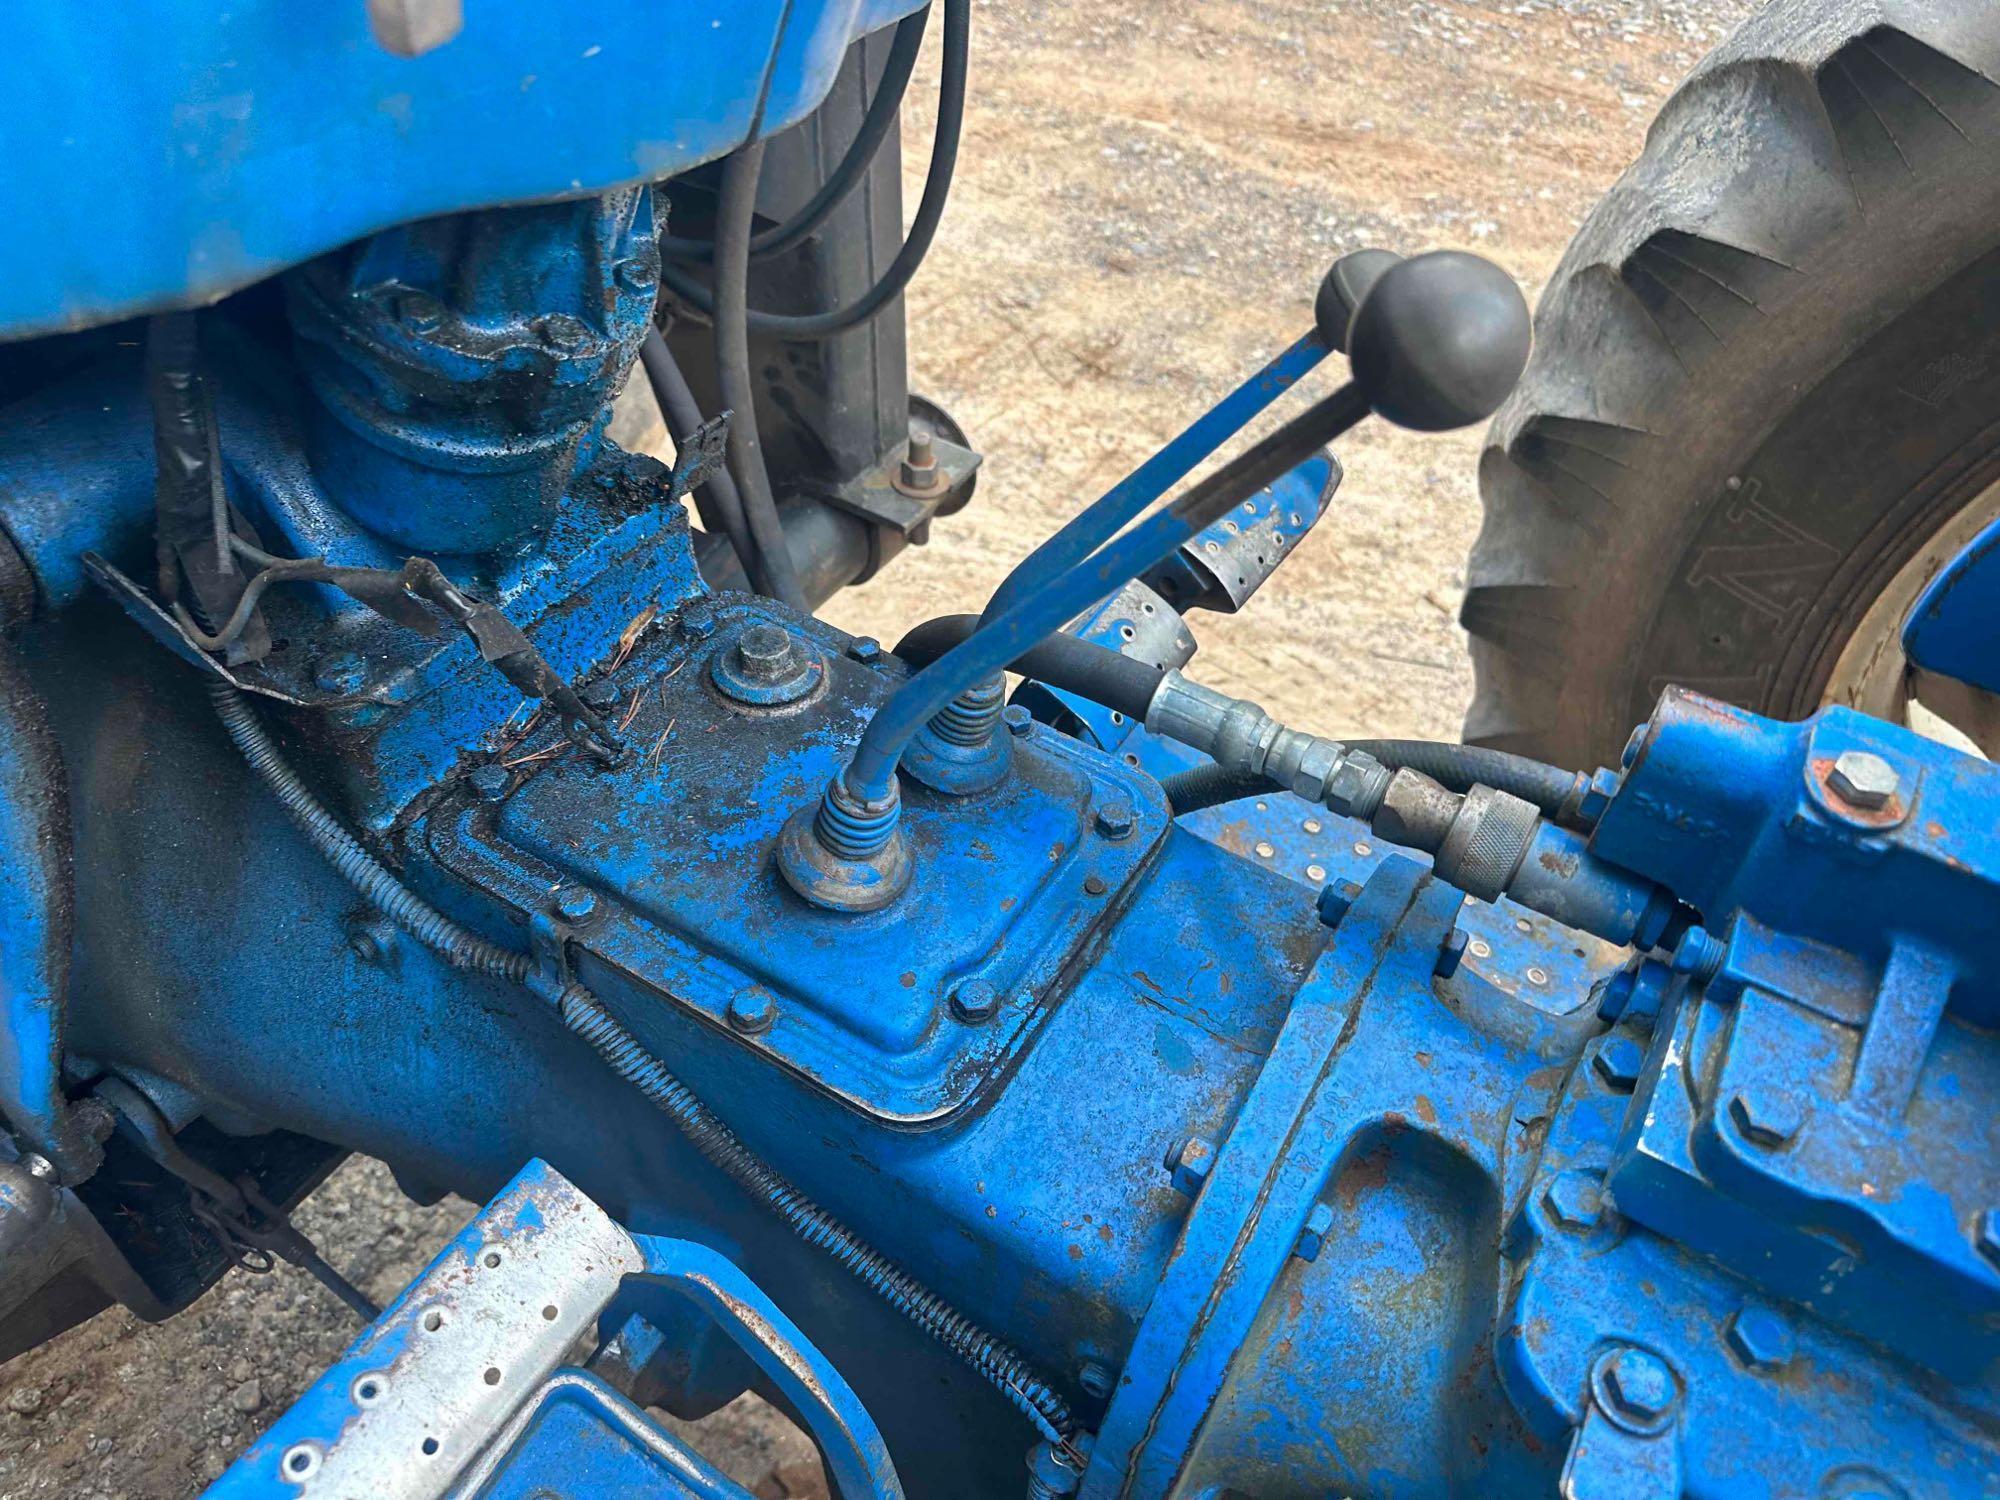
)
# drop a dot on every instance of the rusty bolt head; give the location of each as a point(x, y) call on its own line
point(1862, 779)
point(1760, 1338)
point(1638, 1387)
point(918, 473)
point(1986, 1236)
point(1575, 1200)
point(1618, 1062)
point(1319, 1222)
point(1190, 1162)
point(1766, 1117)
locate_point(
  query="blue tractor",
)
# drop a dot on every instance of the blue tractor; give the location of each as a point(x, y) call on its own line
point(1089, 1087)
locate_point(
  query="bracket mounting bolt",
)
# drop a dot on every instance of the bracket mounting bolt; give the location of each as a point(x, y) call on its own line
point(418, 312)
point(1863, 779)
point(1096, 1379)
point(1189, 1163)
point(1116, 819)
point(1636, 1388)
point(918, 474)
point(1618, 1063)
point(1760, 1338)
point(752, 1010)
point(1312, 1237)
point(1020, 723)
point(975, 1000)
point(1574, 1199)
point(575, 903)
point(1766, 1118)
point(634, 274)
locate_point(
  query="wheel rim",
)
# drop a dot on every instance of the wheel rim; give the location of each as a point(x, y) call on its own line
point(1873, 675)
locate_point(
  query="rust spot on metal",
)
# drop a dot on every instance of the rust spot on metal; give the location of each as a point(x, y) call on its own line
point(1426, 1111)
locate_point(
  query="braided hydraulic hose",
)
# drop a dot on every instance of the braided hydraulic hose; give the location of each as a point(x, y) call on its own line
point(454, 944)
point(1007, 1370)
point(584, 1015)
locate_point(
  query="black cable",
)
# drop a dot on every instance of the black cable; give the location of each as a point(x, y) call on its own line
point(732, 374)
point(716, 499)
point(923, 227)
point(876, 124)
point(1096, 672)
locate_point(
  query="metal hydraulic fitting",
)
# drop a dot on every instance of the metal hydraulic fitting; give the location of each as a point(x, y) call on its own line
point(1239, 736)
point(1490, 843)
point(1476, 840)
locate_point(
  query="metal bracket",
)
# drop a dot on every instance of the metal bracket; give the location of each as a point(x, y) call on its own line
point(876, 499)
point(703, 454)
point(437, 1398)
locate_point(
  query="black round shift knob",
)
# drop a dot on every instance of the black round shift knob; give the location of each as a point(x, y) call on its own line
point(1438, 340)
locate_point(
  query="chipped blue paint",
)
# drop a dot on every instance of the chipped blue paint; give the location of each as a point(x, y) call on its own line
point(210, 123)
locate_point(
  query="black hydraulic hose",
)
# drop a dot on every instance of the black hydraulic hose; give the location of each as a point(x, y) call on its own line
point(732, 375)
point(923, 225)
point(1455, 767)
point(876, 124)
point(716, 500)
point(1119, 682)
point(582, 1013)
point(1458, 768)
point(1091, 671)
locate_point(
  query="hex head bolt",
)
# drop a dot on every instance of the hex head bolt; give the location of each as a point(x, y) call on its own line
point(1862, 779)
point(1635, 1388)
point(1188, 1163)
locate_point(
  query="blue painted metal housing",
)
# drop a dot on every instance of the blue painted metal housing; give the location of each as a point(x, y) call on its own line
point(1388, 1193)
point(1954, 627)
point(214, 137)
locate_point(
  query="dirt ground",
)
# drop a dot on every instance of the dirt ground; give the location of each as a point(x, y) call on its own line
point(1147, 196)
